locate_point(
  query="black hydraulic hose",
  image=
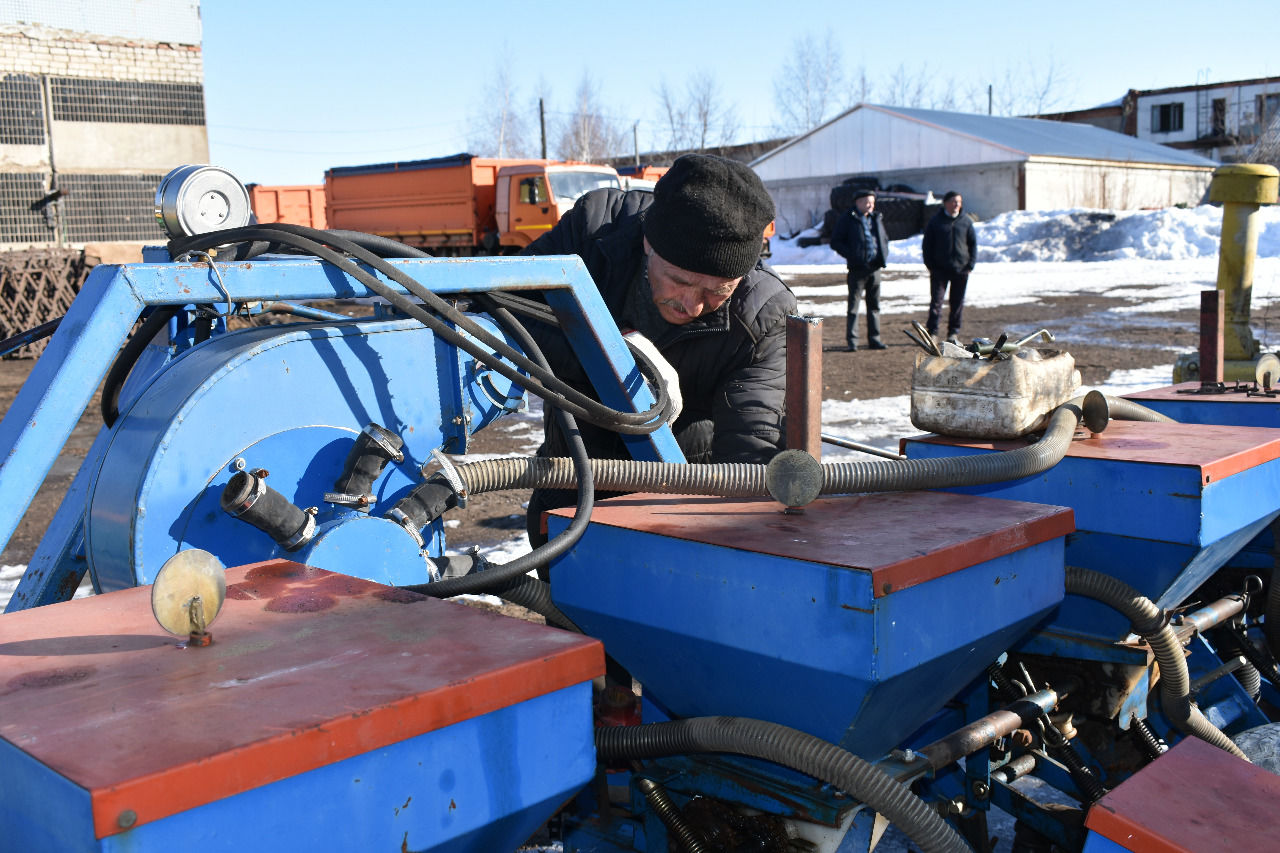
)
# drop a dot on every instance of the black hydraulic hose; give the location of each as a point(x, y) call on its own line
point(30, 336)
point(128, 357)
point(532, 594)
point(538, 380)
point(790, 748)
point(384, 247)
point(504, 576)
point(1152, 624)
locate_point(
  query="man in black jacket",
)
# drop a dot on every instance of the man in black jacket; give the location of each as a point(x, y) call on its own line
point(950, 249)
point(681, 265)
point(860, 238)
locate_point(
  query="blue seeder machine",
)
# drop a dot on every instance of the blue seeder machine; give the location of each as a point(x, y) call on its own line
point(1076, 630)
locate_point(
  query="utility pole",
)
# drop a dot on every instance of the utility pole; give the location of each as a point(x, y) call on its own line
point(635, 142)
point(988, 99)
point(542, 122)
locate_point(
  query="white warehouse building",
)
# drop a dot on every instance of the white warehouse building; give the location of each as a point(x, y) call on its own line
point(998, 164)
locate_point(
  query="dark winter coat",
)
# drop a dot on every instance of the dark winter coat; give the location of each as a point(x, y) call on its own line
point(849, 239)
point(949, 245)
point(731, 362)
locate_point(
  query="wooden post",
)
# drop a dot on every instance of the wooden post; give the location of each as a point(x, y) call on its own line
point(804, 385)
point(1211, 330)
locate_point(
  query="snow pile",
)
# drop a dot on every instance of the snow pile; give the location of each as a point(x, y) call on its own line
point(1169, 234)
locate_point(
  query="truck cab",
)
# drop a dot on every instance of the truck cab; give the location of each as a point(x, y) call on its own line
point(532, 197)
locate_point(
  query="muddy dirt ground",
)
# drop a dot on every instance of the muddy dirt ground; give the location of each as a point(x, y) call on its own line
point(1101, 340)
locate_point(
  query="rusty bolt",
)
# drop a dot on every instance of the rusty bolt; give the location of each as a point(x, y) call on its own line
point(127, 818)
point(981, 790)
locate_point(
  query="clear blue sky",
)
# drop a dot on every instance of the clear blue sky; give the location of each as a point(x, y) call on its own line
point(294, 87)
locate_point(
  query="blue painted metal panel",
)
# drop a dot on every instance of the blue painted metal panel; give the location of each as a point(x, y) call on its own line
point(39, 809)
point(1156, 527)
point(481, 785)
point(1193, 409)
point(712, 630)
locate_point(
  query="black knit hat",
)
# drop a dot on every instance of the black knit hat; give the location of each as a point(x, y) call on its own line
point(863, 193)
point(708, 216)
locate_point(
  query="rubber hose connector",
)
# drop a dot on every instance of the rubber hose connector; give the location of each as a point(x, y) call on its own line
point(249, 499)
point(1175, 681)
point(374, 447)
point(791, 748)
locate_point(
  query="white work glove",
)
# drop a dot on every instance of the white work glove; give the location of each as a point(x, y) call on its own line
point(668, 373)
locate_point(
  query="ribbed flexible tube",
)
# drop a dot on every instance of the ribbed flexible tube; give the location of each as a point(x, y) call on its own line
point(1127, 410)
point(748, 480)
point(791, 748)
point(1148, 621)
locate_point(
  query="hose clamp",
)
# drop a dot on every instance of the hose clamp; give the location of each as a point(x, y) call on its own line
point(398, 516)
point(378, 436)
point(302, 535)
point(357, 502)
point(256, 491)
point(449, 472)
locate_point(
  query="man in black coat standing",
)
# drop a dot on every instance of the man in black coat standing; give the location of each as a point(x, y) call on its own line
point(950, 249)
point(860, 238)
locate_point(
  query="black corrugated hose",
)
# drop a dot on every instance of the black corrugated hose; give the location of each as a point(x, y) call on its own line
point(791, 748)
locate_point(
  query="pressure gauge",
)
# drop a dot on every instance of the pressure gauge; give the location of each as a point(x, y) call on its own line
point(195, 200)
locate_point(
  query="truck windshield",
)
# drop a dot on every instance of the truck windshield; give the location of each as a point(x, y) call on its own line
point(567, 186)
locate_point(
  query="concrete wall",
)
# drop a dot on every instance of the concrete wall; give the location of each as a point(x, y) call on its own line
point(1055, 185)
point(988, 189)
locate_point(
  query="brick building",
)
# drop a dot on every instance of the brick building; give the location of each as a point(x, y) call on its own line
point(98, 100)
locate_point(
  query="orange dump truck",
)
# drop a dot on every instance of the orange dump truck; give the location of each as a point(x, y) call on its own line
point(297, 205)
point(460, 205)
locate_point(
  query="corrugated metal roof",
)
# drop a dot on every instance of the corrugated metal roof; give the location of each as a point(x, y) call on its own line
point(1039, 137)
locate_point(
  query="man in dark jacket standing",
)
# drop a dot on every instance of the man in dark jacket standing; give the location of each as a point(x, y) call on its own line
point(860, 238)
point(681, 265)
point(950, 249)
